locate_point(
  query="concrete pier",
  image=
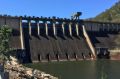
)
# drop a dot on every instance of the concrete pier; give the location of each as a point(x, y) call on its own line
point(77, 29)
point(54, 28)
point(46, 29)
point(63, 30)
point(70, 29)
point(30, 28)
point(21, 34)
point(38, 28)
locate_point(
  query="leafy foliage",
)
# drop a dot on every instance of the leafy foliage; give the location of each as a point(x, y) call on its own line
point(5, 33)
point(110, 15)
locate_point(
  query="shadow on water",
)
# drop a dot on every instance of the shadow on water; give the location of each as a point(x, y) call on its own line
point(101, 69)
point(103, 74)
point(107, 69)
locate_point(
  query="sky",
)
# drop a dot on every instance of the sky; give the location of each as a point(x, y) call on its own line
point(58, 8)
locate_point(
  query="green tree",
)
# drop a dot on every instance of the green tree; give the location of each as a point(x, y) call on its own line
point(5, 33)
point(110, 15)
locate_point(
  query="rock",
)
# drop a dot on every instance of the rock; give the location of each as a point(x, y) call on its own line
point(18, 71)
point(46, 78)
point(45, 75)
point(7, 62)
point(13, 61)
point(13, 75)
point(29, 72)
point(13, 58)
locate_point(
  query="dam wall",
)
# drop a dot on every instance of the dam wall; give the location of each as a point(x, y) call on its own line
point(104, 36)
point(12, 22)
point(55, 39)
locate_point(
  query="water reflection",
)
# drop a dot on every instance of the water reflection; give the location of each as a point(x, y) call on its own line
point(101, 69)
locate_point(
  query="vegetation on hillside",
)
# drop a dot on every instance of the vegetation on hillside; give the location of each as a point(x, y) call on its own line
point(110, 15)
point(5, 33)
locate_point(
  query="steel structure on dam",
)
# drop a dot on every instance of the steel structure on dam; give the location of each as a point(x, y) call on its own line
point(44, 38)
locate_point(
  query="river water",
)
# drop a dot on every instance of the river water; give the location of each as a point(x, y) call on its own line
point(100, 69)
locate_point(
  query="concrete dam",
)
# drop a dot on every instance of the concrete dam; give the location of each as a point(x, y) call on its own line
point(37, 39)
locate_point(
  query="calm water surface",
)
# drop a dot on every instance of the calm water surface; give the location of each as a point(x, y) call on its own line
point(102, 69)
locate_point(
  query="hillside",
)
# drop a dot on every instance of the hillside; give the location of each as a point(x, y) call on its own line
point(110, 15)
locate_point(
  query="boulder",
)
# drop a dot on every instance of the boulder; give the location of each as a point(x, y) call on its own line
point(18, 71)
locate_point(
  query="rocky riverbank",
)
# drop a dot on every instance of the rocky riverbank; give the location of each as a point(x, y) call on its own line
point(18, 71)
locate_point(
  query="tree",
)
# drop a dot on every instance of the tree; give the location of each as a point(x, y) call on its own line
point(5, 33)
point(110, 15)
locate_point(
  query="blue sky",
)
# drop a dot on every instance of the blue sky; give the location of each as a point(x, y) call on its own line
point(59, 8)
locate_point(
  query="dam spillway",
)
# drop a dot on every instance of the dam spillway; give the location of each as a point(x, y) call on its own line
point(47, 39)
point(54, 42)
